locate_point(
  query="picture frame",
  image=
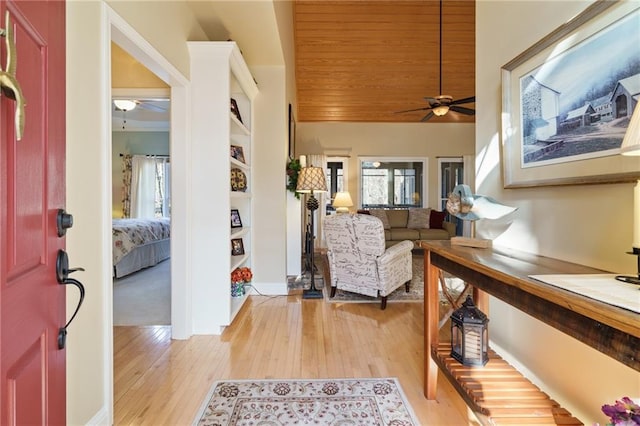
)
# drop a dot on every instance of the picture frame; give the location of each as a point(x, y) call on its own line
point(292, 133)
point(235, 110)
point(553, 134)
point(236, 221)
point(237, 152)
point(237, 247)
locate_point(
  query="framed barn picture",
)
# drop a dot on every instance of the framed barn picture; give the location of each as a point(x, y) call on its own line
point(568, 99)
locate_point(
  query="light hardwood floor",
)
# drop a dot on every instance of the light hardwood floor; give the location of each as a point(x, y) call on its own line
point(159, 381)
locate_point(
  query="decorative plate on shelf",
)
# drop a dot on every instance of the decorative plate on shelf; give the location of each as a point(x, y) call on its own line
point(238, 180)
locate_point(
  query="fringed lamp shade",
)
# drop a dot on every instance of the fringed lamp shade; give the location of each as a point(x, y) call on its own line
point(469, 335)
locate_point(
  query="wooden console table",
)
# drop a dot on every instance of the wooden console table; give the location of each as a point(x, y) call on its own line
point(503, 273)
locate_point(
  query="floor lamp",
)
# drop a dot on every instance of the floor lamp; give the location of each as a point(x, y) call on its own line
point(310, 180)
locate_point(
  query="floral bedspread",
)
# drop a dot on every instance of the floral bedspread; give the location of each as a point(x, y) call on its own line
point(131, 233)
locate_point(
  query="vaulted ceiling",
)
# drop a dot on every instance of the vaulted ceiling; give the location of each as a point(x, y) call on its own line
point(359, 60)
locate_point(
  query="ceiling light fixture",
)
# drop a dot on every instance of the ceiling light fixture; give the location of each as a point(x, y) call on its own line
point(124, 104)
point(440, 110)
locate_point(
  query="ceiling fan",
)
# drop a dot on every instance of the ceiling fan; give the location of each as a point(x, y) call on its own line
point(442, 104)
point(157, 105)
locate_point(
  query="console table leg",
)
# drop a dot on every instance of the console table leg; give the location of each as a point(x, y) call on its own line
point(481, 300)
point(431, 311)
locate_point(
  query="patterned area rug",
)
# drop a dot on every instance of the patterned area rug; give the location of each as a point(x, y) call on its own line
point(334, 402)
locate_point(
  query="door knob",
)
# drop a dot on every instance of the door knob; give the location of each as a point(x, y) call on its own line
point(64, 222)
point(62, 274)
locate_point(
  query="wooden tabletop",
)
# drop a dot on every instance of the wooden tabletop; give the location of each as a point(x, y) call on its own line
point(503, 273)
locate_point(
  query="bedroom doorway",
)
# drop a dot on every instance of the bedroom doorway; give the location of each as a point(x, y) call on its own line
point(141, 193)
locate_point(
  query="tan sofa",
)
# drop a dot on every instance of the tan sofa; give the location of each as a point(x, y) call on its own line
point(397, 224)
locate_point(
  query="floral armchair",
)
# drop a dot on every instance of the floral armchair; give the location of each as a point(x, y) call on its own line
point(358, 261)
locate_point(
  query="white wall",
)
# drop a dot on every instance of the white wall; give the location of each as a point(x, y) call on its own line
point(89, 363)
point(269, 193)
point(430, 140)
point(589, 224)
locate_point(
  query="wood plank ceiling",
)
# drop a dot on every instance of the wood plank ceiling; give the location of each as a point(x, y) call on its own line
point(363, 60)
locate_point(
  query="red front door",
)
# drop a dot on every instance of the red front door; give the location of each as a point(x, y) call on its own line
point(32, 189)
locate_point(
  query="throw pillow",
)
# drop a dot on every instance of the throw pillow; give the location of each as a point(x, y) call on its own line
point(382, 215)
point(418, 218)
point(436, 218)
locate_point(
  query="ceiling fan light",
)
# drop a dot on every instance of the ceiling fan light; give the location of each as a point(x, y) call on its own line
point(440, 110)
point(124, 104)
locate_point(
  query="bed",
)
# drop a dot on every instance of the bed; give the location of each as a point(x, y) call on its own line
point(139, 243)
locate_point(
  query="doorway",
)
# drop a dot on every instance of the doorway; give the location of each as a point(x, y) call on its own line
point(126, 38)
point(141, 193)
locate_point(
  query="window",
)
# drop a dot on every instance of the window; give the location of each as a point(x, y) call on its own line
point(150, 187)
point(335, 173)
point(451, 174)
point(392, 183)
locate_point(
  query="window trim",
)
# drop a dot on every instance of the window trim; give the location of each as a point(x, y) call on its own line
point(441, 160)
point(425, 173)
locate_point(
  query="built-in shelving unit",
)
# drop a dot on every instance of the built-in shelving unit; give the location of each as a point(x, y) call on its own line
point(222, 92)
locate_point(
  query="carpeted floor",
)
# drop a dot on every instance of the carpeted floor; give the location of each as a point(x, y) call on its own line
point(377, 401)
point(144, 297)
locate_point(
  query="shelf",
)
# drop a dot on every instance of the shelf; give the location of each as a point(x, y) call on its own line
point(239, 164)
point(237, 261)
point(239, 232)
point(237, 127)
point(236, 304)
point(239, 194)
point(221, 143)
point(498, 393)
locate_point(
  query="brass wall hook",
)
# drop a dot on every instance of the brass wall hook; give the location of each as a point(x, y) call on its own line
point(8, 82)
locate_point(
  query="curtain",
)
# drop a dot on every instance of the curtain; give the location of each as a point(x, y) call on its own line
point(143, 184)
point(165, 187)
point(126, 185)
point(150, 187)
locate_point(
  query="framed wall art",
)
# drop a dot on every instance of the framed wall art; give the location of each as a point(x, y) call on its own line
point(237, 247)
point(235, 110)
point(236, 222)
point(568, 99)
point(237, 152)
point(292, 133)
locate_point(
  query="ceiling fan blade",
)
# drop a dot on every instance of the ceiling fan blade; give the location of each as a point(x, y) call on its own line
point(412, 110)
point(464, 101)
point(462, 110)
point(427, 117)
point(153, 106)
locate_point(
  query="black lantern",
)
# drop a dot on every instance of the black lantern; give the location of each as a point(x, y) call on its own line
point(469, 335)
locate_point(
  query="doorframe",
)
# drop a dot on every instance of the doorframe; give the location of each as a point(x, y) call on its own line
point(133, 43)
